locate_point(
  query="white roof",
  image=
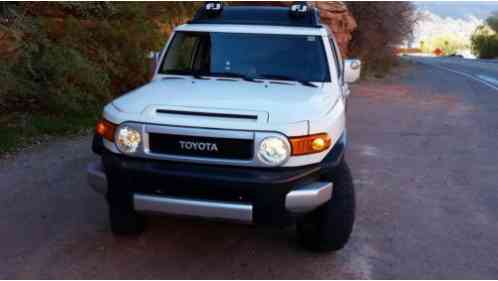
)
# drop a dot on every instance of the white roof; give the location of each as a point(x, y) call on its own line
point(254, 29)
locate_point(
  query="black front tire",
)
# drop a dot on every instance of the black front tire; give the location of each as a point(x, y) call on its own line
point(125, 221)
point(329, 227)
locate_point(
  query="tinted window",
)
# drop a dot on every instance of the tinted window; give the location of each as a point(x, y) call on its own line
point(300, 58)
point(180, 54)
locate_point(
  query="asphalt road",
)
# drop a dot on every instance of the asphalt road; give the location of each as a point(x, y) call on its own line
point(423, 151)
point(483, 71)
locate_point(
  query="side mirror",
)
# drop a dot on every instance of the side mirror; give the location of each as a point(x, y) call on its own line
point(352, 70)
point(155, 57)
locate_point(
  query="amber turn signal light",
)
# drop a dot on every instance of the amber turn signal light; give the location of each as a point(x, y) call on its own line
point(310, 144)
point(105, 129)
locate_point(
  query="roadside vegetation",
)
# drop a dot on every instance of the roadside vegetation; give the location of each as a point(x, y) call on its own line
point(382, 27)
point(60, 62)
point(447, 43)
point(485, 39)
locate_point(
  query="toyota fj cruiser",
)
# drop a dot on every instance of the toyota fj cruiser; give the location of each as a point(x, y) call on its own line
point(244, 120)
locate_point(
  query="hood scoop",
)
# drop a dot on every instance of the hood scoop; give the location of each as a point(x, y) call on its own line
point(205, 117)
point(208, 114)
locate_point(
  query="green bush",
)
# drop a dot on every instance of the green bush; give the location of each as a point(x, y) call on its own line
point(65, 69)
point(485, 39)
point(77, 63)
point(50, 77)
point(485, 46)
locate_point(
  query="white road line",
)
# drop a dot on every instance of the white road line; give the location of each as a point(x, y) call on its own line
point(487, 83)
point(488, 62)
point(489, 79)
point(465, 61)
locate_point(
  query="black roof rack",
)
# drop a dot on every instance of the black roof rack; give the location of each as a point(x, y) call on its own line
point(258, 15)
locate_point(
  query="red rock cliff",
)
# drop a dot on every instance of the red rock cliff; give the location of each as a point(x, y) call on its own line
point(340, 21)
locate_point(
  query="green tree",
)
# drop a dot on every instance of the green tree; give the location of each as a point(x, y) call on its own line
point(484, 40)
point(381, 27)
point(492, 21)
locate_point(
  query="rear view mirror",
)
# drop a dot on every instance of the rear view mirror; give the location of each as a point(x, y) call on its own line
point(352, 70)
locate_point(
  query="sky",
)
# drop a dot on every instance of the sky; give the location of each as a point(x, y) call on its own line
point(459, 10)
point(449, 21)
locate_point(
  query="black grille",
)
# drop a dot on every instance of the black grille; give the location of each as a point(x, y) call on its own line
point(207, 147)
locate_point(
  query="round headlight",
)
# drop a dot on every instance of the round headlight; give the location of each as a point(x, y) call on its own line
point(273, 151)
point(127, 139)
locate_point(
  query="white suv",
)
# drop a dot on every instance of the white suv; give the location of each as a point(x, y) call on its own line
point(244, 120)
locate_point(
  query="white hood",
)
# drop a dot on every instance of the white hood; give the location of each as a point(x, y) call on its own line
point(281, 103)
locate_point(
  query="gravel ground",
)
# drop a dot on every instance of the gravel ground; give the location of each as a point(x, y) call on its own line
point(423, 151)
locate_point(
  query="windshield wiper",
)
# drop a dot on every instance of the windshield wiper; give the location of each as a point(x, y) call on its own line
point(198, 75)
point(231, 75)
point(194, 74)
point(308, 83)
point(286, 78)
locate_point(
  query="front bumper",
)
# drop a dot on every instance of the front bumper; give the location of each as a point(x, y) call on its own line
point(249, 195)
point(243, 195)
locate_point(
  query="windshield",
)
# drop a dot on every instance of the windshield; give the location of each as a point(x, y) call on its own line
point(278, 57)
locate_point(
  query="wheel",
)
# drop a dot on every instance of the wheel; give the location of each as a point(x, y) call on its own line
point(329, 227)
point(122, 217)
point(125, 221)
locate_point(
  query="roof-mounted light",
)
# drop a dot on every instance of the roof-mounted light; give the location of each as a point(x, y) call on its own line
point(299, 8)
point(213, 8)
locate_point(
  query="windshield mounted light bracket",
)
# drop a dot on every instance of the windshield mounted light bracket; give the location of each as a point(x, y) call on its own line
point(299, 8)
point(213, 8)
